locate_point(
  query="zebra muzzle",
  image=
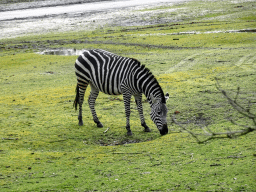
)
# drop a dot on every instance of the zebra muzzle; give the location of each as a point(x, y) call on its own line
point(164, 130)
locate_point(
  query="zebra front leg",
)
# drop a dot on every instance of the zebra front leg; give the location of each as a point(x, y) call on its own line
point(127, 100)
point(91, 100)
point(138, 101)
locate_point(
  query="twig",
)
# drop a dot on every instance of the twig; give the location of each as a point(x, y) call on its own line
point(106, 130)
point(10, 138)
point(229, 132)
point(234, 103)
point(58, 141)
point(238, 89)
point(184, 128)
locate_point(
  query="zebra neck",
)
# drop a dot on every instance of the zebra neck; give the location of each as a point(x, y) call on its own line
point(151, 88)
point(156, 94)
point(147, 83)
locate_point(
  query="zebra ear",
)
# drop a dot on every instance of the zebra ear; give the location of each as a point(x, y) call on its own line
point(166, 96)
point(153, 99)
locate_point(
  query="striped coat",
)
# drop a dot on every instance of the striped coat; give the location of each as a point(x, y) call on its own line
point(114, 75)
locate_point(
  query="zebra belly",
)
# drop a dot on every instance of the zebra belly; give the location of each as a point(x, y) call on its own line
point(108, 89)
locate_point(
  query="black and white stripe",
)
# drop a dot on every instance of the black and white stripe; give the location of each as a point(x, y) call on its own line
point(114, 75)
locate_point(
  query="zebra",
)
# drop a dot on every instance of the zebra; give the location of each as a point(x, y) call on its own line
point(114, 75)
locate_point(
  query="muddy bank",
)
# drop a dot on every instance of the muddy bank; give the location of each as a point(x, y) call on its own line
point(129, 15)
point(11, 5)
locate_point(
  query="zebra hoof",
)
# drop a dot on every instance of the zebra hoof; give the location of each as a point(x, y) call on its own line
point(147, 130)
point(129, 133)
point(81, 123)
point(99, 124)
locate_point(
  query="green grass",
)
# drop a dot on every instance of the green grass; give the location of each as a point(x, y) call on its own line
point(42, 148)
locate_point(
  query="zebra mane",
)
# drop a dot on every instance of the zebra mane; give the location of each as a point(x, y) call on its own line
point(149, 73)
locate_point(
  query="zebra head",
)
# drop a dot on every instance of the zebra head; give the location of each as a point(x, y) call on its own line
point(159, 112)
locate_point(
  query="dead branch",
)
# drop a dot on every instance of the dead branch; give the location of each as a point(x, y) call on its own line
point(234, 104)
point(210, 134)
point(244, 111)
point(184, 128)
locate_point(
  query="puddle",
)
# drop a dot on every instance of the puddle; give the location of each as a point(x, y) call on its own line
point(207, 32)
point(234, 31)
point(198, 32)
point(66, 52)
point(69, 52)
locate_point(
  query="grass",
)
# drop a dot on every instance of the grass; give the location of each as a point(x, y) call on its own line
point(43, 149)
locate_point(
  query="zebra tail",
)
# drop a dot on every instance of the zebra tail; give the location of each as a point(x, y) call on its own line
point(76, 101)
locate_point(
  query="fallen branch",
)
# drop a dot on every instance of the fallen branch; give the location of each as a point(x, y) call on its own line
point(58, 141)
point(234, 104)
point(210, 134)
point(10, 138)
point(240, 109)
point(184, 128)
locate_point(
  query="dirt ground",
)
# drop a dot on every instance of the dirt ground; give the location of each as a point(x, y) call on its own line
point(79, 21)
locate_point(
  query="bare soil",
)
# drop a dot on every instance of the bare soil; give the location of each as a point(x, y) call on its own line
point(79, 21)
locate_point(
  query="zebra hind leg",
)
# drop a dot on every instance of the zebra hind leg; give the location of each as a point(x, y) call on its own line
point(138, 101)
point(127, 100)
point(91, 100)
point(79, 100)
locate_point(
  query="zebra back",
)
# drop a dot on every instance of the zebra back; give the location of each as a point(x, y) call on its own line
point(110, 73)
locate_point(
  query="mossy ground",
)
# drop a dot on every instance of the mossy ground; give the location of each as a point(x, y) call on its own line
point(43, 149)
